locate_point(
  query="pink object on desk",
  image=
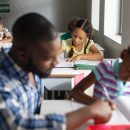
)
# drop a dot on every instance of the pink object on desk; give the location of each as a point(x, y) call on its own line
point(78, 78)
point(109, 127)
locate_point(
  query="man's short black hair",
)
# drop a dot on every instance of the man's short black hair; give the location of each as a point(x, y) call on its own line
point(32, 28)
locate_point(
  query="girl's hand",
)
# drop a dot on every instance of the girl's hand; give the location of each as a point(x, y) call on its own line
point(75, 58)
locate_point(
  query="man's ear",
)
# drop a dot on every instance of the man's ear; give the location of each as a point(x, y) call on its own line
point(22, 56)
point(123, 54)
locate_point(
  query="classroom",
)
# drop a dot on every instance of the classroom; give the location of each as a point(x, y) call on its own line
point(64, 64)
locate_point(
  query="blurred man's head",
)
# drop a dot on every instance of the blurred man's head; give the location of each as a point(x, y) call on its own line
point(34, 44)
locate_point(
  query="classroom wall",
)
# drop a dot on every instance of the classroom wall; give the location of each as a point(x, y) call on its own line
point(113, 49)
point(59, 12)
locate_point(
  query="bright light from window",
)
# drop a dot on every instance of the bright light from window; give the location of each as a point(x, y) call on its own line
point(95, 13)
point(112, 17)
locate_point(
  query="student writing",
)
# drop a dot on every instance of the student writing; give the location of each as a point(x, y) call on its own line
point(80, 46)
point(114, 76)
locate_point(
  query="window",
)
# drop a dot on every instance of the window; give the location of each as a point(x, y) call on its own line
point(95, 13)
point(113, 19)
point(121, 17)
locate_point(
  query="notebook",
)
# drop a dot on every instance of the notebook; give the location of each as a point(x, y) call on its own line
point(82, 64)
point(85, 64)
point(64, 64)
point(122, 114)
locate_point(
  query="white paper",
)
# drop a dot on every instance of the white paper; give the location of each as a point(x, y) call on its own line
point(123, 104)
point(88, 62)
point(121, 115)
point(63, 63)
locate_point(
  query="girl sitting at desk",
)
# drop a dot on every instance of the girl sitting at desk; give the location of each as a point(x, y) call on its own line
point(80, 46)
point(111, 79)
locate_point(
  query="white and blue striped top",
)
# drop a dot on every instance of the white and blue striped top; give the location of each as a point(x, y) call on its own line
point(107, 75)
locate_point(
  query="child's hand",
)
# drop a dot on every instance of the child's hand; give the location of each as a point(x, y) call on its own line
point(75, 58)
point(69, 60)
point(102, 110)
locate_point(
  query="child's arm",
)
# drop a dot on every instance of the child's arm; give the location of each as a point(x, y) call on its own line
point(78, 91)
point(95, 55)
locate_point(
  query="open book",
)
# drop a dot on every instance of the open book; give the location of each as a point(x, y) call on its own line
point(64, 64)
point(81, 64)
point(85, 64)
point(122, 114)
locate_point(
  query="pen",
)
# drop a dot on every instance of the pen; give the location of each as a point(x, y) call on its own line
point(106, 93)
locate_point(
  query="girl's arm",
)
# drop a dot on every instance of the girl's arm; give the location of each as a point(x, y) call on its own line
point(78, 91)
point(95, 55)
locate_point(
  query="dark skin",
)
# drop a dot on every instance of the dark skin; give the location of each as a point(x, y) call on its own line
point(78, 91)
point(46, 61)
point(43, 62)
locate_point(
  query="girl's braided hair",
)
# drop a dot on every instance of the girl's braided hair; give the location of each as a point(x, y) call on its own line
point(87, 27)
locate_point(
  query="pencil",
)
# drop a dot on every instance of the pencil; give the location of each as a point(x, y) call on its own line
point(106, 93)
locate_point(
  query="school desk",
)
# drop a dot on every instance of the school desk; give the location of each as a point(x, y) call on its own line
point(120, 116)
point(62, 107)
point(62, 80)
point(64, 77)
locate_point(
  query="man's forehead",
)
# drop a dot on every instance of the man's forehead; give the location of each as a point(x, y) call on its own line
point(47, 48)
point(50, 44)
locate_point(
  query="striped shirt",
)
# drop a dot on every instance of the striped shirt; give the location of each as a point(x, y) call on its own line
point(23, 99)
point(107, 75)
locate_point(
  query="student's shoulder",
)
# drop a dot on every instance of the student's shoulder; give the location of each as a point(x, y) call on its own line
point(105, 63)
point(108, 64)
point(91, 42)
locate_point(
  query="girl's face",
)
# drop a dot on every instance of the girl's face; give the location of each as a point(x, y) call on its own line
point(79, 36)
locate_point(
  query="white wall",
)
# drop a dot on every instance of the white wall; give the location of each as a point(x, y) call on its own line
point(59, 12)
point(113, 49)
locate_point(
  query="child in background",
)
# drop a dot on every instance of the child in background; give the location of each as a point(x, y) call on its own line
point(111, 79)
point(5, 36)
point(71, 26)
point(80, 46)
